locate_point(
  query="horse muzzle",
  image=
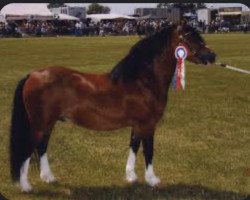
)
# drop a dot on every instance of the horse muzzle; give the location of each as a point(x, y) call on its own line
point(208, 58)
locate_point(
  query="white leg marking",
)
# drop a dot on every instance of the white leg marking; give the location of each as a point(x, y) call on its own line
point(46, 174)
point(24, 183)
point(150, 177)
point(130, 167)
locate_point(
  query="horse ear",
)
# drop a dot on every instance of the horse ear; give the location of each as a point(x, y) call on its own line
point(180, 26)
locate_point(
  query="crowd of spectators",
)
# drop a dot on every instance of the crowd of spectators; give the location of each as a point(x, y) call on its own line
point(103, 28)
point(219, 26)
point(85, 28)
point(124, 27)
point(36, 28)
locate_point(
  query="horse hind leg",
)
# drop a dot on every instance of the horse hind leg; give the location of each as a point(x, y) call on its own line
point(40, 141)
point(46, 174)
point(24, 183)
point(45, 171)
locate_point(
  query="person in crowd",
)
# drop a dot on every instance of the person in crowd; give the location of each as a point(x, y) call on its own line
point(77, 29)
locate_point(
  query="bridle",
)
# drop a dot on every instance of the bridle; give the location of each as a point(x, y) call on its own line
point(187, 43)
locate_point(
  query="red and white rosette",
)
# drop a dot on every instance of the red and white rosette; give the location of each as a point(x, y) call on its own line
point(179, 77)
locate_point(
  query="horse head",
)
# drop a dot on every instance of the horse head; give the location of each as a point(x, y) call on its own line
point(197, 51)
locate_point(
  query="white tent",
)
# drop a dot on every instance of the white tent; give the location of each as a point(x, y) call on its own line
point(20, 11)
point(67, 17)
point(189, 14)
point(99, 17)
point(2, 18)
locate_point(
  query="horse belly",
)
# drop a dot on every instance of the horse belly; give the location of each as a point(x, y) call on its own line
point(105, 119)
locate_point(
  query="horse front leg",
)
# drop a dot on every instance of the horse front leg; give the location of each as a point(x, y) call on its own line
point(130, 167)
point(148, 150)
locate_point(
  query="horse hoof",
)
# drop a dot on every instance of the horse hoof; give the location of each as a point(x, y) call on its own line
point(131, 177)
point(153, 181)
point(26, 188)
point(132, 180)
point(48, 178)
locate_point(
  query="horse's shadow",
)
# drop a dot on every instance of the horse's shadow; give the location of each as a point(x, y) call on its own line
point(141, 191)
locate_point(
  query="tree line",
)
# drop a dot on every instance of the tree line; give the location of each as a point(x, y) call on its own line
point(96, 8)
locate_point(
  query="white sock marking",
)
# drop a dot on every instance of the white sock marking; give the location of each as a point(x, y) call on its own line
point(130, 167)
point(46, 174)
point(150, 177)
point(24, 183)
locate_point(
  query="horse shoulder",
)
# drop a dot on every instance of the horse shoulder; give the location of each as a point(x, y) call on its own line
point(139, 103)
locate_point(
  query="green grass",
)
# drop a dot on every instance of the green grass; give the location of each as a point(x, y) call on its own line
point(202, 146)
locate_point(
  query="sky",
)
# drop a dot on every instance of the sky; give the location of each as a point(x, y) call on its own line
point(128, 8)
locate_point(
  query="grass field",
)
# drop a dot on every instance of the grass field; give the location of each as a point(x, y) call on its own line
point(202, 145)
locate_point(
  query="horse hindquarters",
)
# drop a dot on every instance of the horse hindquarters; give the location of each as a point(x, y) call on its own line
point(29, 130)
point(39, 101)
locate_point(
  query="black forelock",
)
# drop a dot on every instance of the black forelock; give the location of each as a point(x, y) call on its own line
point(141, 56)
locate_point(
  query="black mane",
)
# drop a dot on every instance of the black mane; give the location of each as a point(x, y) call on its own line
point(140, 56)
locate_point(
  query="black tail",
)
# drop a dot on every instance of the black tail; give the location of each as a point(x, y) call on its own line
point(20, 138)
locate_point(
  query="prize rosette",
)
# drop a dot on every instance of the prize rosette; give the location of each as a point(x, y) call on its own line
point(179, 76)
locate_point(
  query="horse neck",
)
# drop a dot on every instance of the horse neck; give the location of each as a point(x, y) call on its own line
point(163, 71)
